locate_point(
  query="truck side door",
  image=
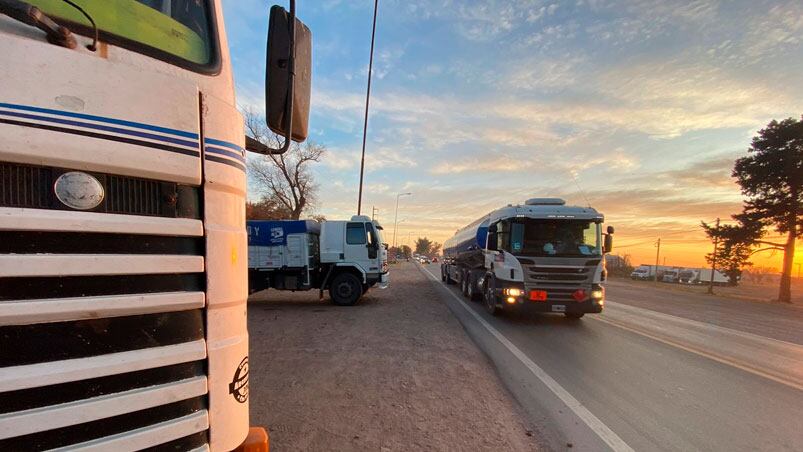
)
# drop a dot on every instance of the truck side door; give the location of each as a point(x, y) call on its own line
point(356, 249)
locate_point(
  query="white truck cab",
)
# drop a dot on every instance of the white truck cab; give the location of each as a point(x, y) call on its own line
point(346, 257)
point(123, 273)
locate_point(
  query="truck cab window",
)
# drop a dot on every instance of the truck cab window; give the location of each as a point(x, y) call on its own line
point(516, 237)
point(564, 238)
point(177, 30)
point(371, 235)
point(355, 234)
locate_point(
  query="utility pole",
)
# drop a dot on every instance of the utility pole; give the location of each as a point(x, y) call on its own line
point(714, 261)
point(657, 258)
point(396, 216)
point(367, 99)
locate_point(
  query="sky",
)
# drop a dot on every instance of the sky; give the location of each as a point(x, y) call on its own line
point(638, 108)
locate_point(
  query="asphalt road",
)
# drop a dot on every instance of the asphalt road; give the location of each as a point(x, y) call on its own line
point(655, 371)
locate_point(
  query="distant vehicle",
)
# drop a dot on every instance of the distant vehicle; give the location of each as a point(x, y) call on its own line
point(702, 276)
point(435, 259)
point(642, 272)
point(670, 276)
point(424, 260)
point(345, 257)
point(647, 272)
point(542, 256)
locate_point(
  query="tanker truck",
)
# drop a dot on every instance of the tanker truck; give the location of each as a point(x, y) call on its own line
point(543, 256)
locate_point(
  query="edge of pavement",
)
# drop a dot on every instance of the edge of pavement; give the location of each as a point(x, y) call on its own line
point(565, 421)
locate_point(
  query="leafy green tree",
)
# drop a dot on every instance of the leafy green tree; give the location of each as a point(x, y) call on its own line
point(733, 250)
point(771, 178)
point(406, 251)
point(423, 245)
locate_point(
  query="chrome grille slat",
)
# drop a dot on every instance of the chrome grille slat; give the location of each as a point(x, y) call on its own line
point(84, 315)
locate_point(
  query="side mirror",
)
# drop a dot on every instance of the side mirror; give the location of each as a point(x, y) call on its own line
point(491, 241)
point(607, 246)
point(610, 230)
point(288, 76)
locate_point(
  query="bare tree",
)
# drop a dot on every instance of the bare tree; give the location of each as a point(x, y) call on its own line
point(284, 178)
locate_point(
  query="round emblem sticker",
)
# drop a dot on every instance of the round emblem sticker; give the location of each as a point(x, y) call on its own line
point(239, 383)
point(78, 190)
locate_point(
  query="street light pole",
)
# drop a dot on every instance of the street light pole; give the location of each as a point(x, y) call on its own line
point(396, 216)
point(367, 99)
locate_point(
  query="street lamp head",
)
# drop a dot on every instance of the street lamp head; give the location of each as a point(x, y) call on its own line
point(404, 194)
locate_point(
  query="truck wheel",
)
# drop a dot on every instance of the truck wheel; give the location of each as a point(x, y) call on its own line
point(464, 284)
point(574, 315)
point(490, 298)
point(449, 279)
point(443, 273)
point(473, 293)
point(345, 289)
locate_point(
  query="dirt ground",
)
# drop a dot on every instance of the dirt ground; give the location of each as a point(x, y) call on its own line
point(395, 372)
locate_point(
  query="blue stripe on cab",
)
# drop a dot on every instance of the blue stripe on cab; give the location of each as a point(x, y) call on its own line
point(119, 122)
point(225, 144)
point(225, 152)
point(88, 125)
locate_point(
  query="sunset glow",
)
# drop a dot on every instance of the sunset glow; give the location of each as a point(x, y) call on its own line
point(479, 104)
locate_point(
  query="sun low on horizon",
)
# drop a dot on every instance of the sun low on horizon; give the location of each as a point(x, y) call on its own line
point(637, 108)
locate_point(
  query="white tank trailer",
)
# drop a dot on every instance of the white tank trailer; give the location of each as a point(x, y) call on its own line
point(542, 256)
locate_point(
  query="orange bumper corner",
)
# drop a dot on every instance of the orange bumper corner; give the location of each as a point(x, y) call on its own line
point(256, 441)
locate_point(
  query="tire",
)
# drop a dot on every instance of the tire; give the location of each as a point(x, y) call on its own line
point(443, 273)
point(489, 298)
point(473, 293)
point(449, 279)
point(464, 283)
point(345, 289)
point(574, 315)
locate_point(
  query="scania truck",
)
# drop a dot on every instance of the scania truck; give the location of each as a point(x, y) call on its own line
point(344, 257)
point(123, 277)
point(542, 256)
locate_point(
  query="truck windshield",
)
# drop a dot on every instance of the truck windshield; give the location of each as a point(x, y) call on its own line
point(561, 238)
point(172, 28)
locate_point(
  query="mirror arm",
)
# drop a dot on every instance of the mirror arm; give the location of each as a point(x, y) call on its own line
point(291, 74)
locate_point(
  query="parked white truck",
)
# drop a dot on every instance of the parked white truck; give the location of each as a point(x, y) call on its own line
point(123, 277)
point(542, 256)
point(344, 257)
point(701, 276)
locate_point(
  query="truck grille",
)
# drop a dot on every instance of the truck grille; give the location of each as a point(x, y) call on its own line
point(559, 280)
point(101, 334)
point(31, 186)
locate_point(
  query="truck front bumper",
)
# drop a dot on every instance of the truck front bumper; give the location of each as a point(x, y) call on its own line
point(384, 280)
point(513, 295)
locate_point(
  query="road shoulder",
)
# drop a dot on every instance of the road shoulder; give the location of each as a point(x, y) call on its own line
point(395, 372)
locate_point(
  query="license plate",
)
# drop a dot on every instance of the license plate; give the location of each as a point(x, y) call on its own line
point(558, 308)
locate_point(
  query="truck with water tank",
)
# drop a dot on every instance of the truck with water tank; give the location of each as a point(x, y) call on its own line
point(344, 257)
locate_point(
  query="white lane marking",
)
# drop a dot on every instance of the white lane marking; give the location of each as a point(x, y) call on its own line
point(606, 434)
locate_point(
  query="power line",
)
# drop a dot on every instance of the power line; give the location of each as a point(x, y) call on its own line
point(582, 192)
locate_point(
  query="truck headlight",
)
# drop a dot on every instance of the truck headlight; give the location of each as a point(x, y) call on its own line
point(514, 292)
point(598, 294)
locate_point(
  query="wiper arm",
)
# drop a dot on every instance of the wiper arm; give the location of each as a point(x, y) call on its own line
point(31, 15)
